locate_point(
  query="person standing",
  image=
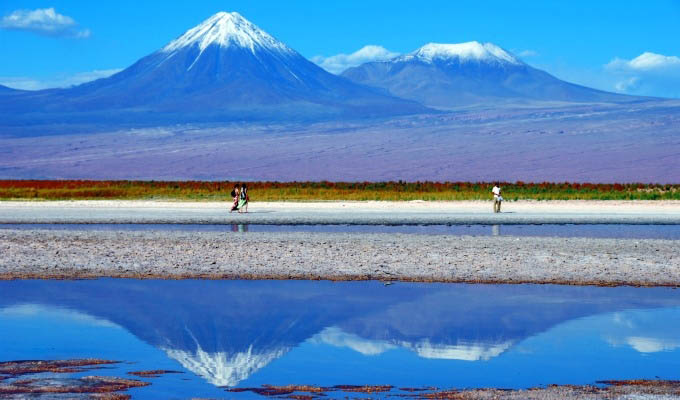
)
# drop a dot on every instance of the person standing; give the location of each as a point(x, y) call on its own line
point(243, 198)
point(235, 196)
point(497, 198)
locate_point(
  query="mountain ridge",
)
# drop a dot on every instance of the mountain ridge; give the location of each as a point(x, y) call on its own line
point(228, 69)
point(472, 73)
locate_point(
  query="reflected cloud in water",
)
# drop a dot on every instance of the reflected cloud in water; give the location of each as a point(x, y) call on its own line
point(644, 333)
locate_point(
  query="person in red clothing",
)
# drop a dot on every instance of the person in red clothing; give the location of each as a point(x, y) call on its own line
point(235, 194)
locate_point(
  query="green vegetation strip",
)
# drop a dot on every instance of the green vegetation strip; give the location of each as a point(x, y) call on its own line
point(325, 191)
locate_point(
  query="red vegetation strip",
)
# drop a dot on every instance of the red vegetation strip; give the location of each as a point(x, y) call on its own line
point(325, 190)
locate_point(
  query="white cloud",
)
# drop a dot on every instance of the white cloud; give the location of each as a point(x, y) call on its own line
point(648, 74)
point(646, 62)
point(340, 62)
point(63, 81)
point(627, 85)
point(44, 21)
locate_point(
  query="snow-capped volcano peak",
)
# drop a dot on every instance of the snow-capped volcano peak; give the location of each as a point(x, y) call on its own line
point(227, 29)
point(469, 51)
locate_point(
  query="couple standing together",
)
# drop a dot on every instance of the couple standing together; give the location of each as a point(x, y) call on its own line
point(240, 195)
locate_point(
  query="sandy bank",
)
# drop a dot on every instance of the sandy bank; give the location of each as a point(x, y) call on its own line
point(340, 256)
point(414, 212)
point(621, 390)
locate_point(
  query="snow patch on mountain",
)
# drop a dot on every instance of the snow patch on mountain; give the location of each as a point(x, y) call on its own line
point(469, 51)
point(227, 29)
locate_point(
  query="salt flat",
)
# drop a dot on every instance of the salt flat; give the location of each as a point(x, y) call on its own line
point(169, 253)
point(369, 213)
point(175, 254)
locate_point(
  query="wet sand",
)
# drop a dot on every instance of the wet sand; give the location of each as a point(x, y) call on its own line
point(170, 254)
point(622, 390)
point(370, 213)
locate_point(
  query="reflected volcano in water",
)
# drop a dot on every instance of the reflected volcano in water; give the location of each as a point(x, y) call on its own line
point(229, 331)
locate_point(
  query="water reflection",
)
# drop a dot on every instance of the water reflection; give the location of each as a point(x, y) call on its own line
point(239, 227)
point(222, 368)
point(467, 351)
point(249, 332)
point(670, 232)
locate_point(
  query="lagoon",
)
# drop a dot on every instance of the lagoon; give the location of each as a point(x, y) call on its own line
point(226, 334)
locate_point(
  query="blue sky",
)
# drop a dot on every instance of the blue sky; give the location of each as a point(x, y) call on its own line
point(596, 43)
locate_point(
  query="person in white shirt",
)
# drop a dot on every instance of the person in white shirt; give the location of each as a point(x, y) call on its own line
point(497, 198)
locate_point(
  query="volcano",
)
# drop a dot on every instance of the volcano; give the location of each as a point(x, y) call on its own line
point(472, 73)
point(225, 68)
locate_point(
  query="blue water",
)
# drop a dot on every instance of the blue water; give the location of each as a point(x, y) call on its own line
point(249, 333)
point(621, 231)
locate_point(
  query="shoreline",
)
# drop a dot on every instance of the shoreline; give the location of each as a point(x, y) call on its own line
point(358, 278)
point(342, 212)
point(45, 373)
point(74, 254)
